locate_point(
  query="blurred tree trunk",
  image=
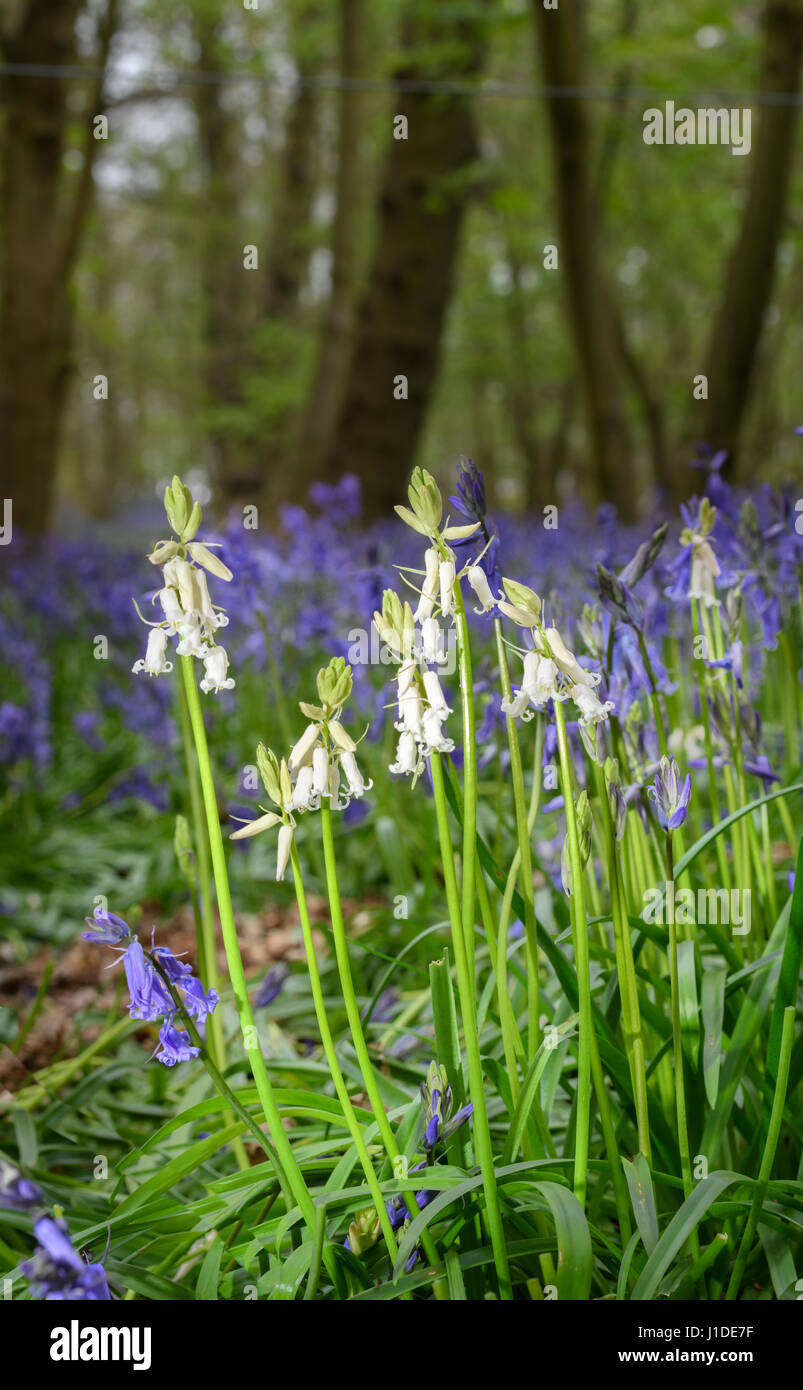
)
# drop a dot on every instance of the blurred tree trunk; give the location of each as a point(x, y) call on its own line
point(43, 212)
point(235, 465)
point(337, 334)
point(736, 331)
point(282, 339)
point(291, 214)
point(539, 482)
point(561, 43)
point(423, 194)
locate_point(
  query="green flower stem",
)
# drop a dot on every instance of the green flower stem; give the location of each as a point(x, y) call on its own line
point(205, 928)
point(469, 779)
point(713, 794)
point(355, 1129)
point(220, 1083)
point(317, 1251)
point(628, 986)
point(253, 1050)
point(355, 1022)
point(453, 906)
point(525, 857)
point(486, 913)
point(654, 700)
point(580, 938)
point(677, 1049)
point(618, 1179)
point(511, 1038)
point(751, 849)
point(768, 1156)
point(465, 984)
point(766, 845)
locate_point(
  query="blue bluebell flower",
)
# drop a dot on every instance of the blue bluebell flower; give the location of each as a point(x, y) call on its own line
point(105, 929)
point(149, 997)
point(198, 1001)
point(272, 985)
point(18, 1193)
point(174, 1045)
point(56, 1272)
point(176, 970)
point(671, 798)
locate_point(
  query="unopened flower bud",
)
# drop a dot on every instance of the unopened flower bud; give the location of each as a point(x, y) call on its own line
point(478, 580)
point(163, 551)
point(202, 555)
point(341, 738)
point(284, 845)
point(301, 752)
point(268, 765)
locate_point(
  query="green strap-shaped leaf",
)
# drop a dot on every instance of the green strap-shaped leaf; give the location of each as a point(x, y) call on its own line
point(687, 999)
point(713, 993)
point(209, 1273)
point(787, 990)
point(642, 1196)
point(679, 1229)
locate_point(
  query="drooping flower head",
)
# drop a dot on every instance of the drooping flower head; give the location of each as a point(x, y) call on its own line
point(149, 978)
point(185, 601)
point(322, 764)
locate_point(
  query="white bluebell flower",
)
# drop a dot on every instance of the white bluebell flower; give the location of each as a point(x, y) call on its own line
point(478, 580)
point(408, 757)
point(216, 664)
point(429, 591)
point(592, 710)
point(154, 662)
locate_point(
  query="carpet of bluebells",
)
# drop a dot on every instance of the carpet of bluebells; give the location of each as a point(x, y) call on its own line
point(541, 1148)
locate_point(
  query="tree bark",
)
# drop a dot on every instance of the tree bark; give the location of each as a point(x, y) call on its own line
point(235, 465)
point(42, 219)
point(292, 209)
point(424, 192)
point(337, 334)
point(736, 333)
point(560, 35)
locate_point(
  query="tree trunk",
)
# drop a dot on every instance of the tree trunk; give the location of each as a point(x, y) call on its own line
point(292, 210)
point(423, 195)
point(561, 44)
point(225, 282)
point(337, 334)
point(42, 219)
point(736, 332)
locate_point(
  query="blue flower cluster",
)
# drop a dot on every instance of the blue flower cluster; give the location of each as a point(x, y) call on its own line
point(56, 1271)
point(150, 997)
